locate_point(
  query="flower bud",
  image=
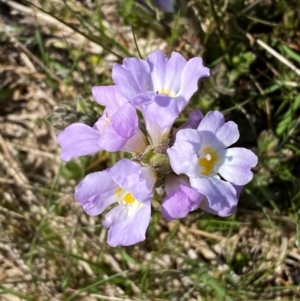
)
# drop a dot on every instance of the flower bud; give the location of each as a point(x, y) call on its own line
point(156, 158)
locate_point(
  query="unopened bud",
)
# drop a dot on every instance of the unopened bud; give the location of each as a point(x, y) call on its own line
point(156, 157)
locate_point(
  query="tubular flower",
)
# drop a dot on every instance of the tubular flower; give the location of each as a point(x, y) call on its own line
point(116, 130)
point(130, 186)
point(202, 155)
point(160, 87)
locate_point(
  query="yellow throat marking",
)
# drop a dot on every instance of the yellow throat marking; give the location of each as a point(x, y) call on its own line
point(208, 161)
point(165, 91)
point(127, 198)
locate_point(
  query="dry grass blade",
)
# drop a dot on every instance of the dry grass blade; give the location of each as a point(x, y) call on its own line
point(66, 31)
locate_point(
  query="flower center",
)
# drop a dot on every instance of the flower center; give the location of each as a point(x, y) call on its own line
point(208, 161)
point(128, 198)
point(165, 91)
point(125, 197)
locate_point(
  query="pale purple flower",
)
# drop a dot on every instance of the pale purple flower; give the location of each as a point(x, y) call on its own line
point(116, 130)
point(180, 198)
point(165, 5)
point(194, 119)
point(160, 87)
point(202, 155)
point(130, 186)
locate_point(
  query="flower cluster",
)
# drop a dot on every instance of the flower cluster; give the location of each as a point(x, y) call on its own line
point(192, 164)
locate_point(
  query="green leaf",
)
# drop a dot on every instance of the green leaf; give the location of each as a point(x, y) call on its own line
point(290, 53)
